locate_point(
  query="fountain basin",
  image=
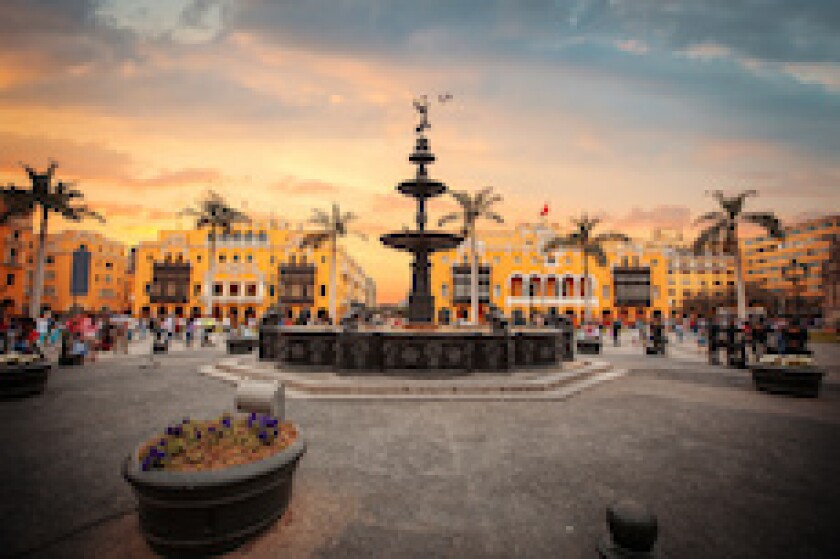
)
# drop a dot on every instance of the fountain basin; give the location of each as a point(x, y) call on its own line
point(420, 241)
point(384, 350)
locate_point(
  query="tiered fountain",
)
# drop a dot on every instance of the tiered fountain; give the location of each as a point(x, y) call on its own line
point(420, 345)
point(421, 242)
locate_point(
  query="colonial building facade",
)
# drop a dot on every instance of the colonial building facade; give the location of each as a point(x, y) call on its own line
point(516, 276)
point(258, 265)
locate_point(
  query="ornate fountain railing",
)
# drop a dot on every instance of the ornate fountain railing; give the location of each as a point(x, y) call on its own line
point(328, 348)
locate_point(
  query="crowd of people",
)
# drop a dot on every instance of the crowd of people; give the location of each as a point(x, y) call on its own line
point(81, 336)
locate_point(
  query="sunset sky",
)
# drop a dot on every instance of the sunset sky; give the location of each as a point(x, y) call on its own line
point(629, 109)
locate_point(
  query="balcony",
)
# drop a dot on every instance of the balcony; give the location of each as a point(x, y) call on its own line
point(170, 283)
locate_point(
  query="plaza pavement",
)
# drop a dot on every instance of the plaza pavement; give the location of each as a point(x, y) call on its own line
point(729, 471)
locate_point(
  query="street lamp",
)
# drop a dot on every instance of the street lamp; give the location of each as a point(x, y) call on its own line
point(795, 272)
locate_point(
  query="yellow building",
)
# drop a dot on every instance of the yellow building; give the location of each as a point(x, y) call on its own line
point(258, 265)
point(17, 253)
point(808, 242)
point(99, 265)
point(691, 276)
point(518, 278)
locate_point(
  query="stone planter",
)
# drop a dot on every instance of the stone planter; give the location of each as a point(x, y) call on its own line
point(23, 379)
point(793, 381)
point(209, 512)
point(242, 345)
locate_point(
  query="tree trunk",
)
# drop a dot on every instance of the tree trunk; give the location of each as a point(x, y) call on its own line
point(585, 287)
point(38, 288)
point(211, 273)
point(473, 278)
point(332, 278)
point(739, 277)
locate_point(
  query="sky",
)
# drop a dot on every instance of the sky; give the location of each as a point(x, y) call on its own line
point(627, 109)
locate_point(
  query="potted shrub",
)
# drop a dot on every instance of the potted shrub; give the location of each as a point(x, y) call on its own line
point(796, 375)
point(205, 486)
point(22, 374)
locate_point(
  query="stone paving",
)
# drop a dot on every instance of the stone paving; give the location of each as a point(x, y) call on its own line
point(730, 472)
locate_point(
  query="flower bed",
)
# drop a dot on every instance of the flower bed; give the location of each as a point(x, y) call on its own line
point(206, 486)
point(191, 446)
point(794, 375)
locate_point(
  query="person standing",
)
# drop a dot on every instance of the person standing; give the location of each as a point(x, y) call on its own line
point(189, 331)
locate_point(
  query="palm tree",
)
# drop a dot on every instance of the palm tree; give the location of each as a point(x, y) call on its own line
point(214, 212)
point(589, 245)
point(332, 227)
point(49, 197)
point(723, 232)
point(473, 208)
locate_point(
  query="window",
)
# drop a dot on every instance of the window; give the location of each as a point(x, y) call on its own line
point(323, 291)
point(234, 289)
point(198, 258)
point(236, 257)
point(197, 289)
point(148, 288)
point(251, 290)
point(672, 292)
point(444, 290)
point(50, 259)
point(497, 291)
point(323, 259)
point(271, 291)
point(10, 279)
point(249, 258)
point(218, 289)
point(271, 260)
point(109, 265)
point(516, 260)
point(222, 258)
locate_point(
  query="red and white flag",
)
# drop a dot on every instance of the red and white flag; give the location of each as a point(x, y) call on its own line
point(544, 211)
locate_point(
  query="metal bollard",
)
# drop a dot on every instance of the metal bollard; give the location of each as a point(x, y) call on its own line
point(633, 531)
point(261, 397)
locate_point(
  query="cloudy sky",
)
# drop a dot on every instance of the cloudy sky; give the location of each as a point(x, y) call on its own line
point(630, 109)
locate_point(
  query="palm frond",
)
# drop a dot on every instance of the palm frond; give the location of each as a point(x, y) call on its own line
point(610, 236)
point(449, 217)
point(494, 216)
point(320, 217)
point(709, 216)
point(595, 250)
point(716, 232)
point(768, 221)
point(462, 198)
point(314, 240)
point(554, 243)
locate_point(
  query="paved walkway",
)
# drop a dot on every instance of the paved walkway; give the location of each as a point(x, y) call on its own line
point(731, 472)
